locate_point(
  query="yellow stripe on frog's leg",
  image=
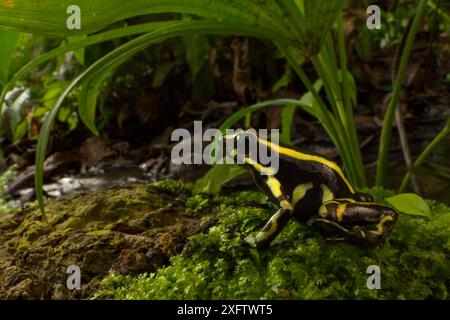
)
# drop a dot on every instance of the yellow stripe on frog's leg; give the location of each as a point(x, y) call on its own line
point(271, 229)
point(336, 209)
point(340, 211)
point(272, 183)
point(365, 213)
point(300, 191)
point(380, 227)
point(371, 223)
point(275, 188)
point(328, 210)
point(382, 230)
point(327, 194)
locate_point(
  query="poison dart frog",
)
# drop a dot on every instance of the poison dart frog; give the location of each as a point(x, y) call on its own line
point(315, 191)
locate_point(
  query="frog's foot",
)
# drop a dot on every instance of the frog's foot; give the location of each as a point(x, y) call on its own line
point(356, 235)
point(263, 205)
point(243, 243)
point(321, 222)
point(336, 240)
point(243, 246)
point(334, 226)
point(283, 243)
point(326, 224)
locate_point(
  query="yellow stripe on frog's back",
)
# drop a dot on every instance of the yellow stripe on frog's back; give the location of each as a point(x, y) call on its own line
point(308, 157)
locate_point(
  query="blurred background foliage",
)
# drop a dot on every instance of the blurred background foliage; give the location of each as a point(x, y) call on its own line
point(185, 69)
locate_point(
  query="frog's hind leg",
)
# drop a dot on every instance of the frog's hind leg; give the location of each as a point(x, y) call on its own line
point(350, 212)
point(336, 227)
point(363, 223)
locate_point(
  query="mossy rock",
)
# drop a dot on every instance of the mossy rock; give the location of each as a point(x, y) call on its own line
point(414, 263)
point(130, 229)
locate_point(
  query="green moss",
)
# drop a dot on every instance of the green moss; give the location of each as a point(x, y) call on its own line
point(414, 263)
point(98, 233)
point(20, 245)
point(173, 186)
point(6, 204)
point(196, 203)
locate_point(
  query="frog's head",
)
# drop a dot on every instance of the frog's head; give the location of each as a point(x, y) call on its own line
point(240, 144)
point(246, 147)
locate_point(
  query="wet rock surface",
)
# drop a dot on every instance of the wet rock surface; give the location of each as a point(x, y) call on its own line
point(130, 229)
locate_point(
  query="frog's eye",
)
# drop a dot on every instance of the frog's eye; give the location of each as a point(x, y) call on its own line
point(363, 197)
point(234, 136)
point(229, 136)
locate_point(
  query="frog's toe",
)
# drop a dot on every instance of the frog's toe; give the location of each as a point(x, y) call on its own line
point(311, 221)
point(283, 242)
point(317, 221)
point(242, 245)
point(336, 240)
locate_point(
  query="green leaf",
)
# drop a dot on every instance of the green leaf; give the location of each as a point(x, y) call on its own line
point(218, 175)
point(8, 43)
point(21, 130)
point(17, 109)
point(287, 117)
point(88, 96)
point(310, 103)
point(39, 112)
point(50, 16)
point(410, 203)
point(283, 81)
point(204, 87)
point(64, 113)
point(352, 85)
point(79, 53)
point(162, 71)
point(72, 121)
point(52, 93)
point(197, 48)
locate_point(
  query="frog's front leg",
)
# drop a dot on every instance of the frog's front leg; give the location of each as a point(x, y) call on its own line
point(363, 223)
point(272, 228)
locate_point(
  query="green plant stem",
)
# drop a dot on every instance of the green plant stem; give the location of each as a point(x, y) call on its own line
point(335, 131)
point(436, 141)
point(348, 103)
point(321, 67)
point(385, 140)
point(323, 70)
point(327, 68)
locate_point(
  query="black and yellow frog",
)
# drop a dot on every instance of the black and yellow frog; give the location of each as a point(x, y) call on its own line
point(315, 191)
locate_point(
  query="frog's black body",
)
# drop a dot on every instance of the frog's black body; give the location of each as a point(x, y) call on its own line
point(314, 190)
point(294, 172)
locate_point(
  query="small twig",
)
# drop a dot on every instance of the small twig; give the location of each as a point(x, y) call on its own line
point(399, 116)
point(406, 150)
